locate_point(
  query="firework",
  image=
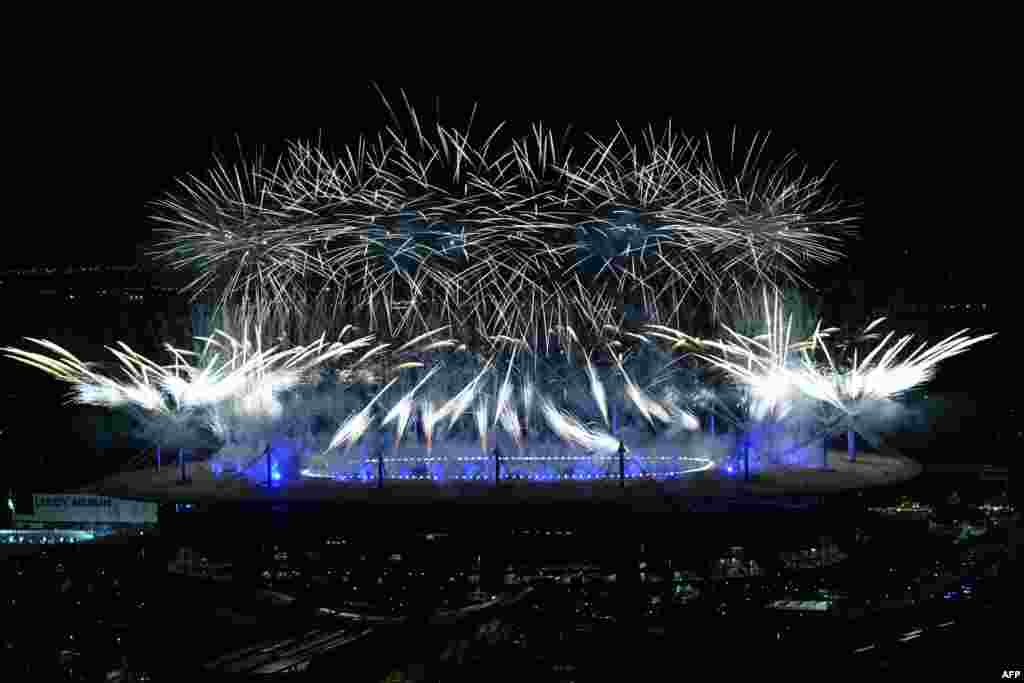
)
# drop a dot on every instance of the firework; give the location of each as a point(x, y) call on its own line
point(403, 410)
point(429, 417)
point(648, 407)
point(510, 423)
point(142, 388)
point(880, 375)
point(681, 419)
point(767, 364)
point(483, 420)
point(761, 363)
point(570, 430)
point(598, 392)
point(184, 404)
point(433, 227)
point(399, 414)
point(528, 394)
point(458, 405)
point(356, 426)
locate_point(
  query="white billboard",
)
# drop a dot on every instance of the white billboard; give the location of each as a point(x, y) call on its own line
point(84, 508)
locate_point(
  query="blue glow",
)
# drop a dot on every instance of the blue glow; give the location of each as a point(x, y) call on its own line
point(568, 465)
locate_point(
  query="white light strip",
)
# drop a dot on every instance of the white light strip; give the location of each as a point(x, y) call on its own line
point(513, 458)
point(707, 464)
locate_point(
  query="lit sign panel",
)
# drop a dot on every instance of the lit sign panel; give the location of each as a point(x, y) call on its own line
point(58, 508)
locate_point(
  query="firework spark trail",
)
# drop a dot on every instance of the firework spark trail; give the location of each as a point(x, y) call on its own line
point(429, 416)
point(355, 427)
point(510, 423)
point(109, 395)
point(647, 406)
point(182, 405)
point(209, 386)
point(458, 405)
point(483, 420)
point(505, 413)
point(262, 399)
point(400, 414)
point(851, 388)
point(256, 375)
point(569, 429)
point(255, 379)
point(598, 393)
point(142, 389)
point(681, 419)
point(403, 410)
point(149, 385)
point(528, 394)
point(763, 364)
point(165, 420)
point(504, 402)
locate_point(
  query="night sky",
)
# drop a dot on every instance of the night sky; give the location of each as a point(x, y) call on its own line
point(900, 139)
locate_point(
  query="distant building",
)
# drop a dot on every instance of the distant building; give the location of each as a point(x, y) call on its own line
point(77, 515)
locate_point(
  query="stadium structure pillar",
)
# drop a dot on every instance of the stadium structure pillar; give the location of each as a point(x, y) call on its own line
point(269, 467)
point(746, 457)
point(622, 465)
point(183, 477)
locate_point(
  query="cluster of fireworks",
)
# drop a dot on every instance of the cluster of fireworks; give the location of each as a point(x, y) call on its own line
point(420, 231)
point(836, 387)
point(239, 404)
point(515, 305)
point(240, 400)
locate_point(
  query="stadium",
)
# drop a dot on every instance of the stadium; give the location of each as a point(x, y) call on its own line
point(442, 316)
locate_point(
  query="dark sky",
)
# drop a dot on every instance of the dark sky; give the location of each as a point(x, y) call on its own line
point(111, 141)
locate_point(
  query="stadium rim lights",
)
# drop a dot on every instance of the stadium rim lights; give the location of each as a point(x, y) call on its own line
point(512, 458)
point(707, 464)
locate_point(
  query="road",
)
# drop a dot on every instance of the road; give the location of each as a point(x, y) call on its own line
point(296, 652)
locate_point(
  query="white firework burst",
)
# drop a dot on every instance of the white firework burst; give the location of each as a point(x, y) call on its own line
point(436, 226)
